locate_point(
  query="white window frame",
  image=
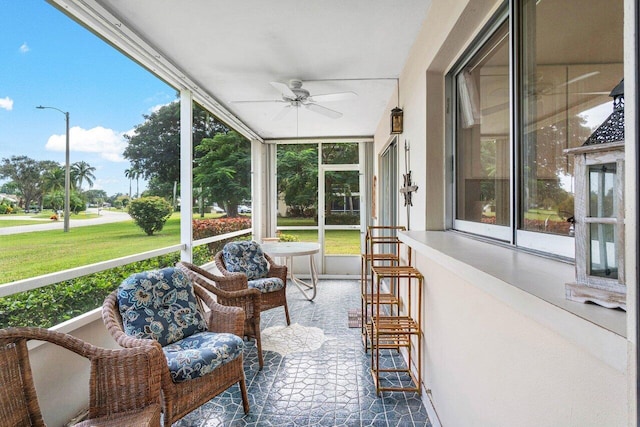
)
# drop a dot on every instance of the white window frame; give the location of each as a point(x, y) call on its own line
point(544, 243)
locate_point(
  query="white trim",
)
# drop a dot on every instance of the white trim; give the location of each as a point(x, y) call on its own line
point(186, 174)
point(492, 231)
point(431, 410)
point(319, 139)
point(552, 244)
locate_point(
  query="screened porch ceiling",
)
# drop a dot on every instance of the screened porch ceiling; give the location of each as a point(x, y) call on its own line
point(229, 51)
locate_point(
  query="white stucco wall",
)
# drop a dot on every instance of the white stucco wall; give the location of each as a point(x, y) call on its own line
point(485, 362)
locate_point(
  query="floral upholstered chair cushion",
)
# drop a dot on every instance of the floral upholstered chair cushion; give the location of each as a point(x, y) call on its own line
point(247, 257)
point(201, 353)
point(160, 305)
point(266, 284)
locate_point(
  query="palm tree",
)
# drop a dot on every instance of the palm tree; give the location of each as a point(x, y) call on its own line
point(82, 171)
point(137, 174)
point(129, 173)
point(53, 187)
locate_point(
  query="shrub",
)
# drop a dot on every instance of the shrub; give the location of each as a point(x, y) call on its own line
point(203, 228)
point(150, 213)
point(342, 219)
point(288, 238)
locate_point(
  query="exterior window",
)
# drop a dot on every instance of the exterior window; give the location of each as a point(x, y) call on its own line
point(568, 69)
point(517, 109)
point(483, 139)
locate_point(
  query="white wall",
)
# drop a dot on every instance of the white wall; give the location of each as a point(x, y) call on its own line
point(485, 363)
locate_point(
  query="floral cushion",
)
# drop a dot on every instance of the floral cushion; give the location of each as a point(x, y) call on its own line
point(245, 257)
point(267, 284)
point(160, 305)
point(201, 353)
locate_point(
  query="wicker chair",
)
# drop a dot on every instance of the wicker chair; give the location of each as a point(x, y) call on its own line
point(181, 396)
point(124, 384)
point(251, 251)
point(231, 291)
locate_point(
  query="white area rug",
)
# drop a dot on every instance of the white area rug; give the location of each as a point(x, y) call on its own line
point(292, 339)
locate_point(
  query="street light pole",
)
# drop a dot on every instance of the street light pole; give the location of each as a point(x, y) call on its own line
point(67, 169)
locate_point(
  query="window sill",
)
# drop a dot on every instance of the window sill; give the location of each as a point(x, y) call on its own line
point(533, 285)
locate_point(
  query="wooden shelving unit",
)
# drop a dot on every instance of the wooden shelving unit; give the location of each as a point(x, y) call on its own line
point(384, 327)
point(396, 331)
point(382, 248)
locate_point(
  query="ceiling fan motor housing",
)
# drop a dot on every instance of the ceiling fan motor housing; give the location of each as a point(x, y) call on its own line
point(296, 87)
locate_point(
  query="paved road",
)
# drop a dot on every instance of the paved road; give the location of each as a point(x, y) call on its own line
point(105, 217)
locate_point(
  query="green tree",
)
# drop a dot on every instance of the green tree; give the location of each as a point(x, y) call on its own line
point(53, 179)
point(298, 177)
point(54, 200)
point(154, 147)
point(157, 188)
point(223, 170)
point(96, 197)
point(150, 213)
point(80, 172)
point(26, 174)
point(10, 188)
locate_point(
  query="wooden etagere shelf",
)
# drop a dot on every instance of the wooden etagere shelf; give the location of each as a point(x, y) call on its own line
point(382, 248)
point(384, 327)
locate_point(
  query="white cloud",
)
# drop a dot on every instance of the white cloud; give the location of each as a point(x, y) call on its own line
point(6, 103)
point(106, 142)
point(24, 48)
point(155, 108)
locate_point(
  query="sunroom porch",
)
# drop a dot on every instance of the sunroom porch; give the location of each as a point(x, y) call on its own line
point(503, 347)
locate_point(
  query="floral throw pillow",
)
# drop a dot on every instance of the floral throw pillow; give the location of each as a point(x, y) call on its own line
point(245, 257)
point(161, 305)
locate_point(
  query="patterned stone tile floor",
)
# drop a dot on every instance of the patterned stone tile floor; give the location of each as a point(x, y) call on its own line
point(330, 386)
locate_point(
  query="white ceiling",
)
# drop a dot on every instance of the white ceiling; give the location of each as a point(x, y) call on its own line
point(232, 49)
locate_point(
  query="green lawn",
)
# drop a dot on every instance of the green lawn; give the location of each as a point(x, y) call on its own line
point(16, 222)
point(33, 254)
point(542, 214)
point(337, 242)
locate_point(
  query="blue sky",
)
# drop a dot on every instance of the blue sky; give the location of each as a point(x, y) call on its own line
point(48, 59)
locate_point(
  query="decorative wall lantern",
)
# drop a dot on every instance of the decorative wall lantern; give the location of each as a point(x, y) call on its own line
point(599, 212)
point(397, 114)
point(396, 120)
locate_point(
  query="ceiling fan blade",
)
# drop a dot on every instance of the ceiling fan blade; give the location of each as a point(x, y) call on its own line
point(258, 101)
point(324, 110)
point(338, 96)
point(283, 112)
point(283, 89)
point(580, 77)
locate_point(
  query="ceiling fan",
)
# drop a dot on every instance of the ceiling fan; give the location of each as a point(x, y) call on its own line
point(294, 96)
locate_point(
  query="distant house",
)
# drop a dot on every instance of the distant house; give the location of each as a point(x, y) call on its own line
point(8, 197)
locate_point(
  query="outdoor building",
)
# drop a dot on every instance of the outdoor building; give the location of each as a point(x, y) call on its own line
point(492, 93)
